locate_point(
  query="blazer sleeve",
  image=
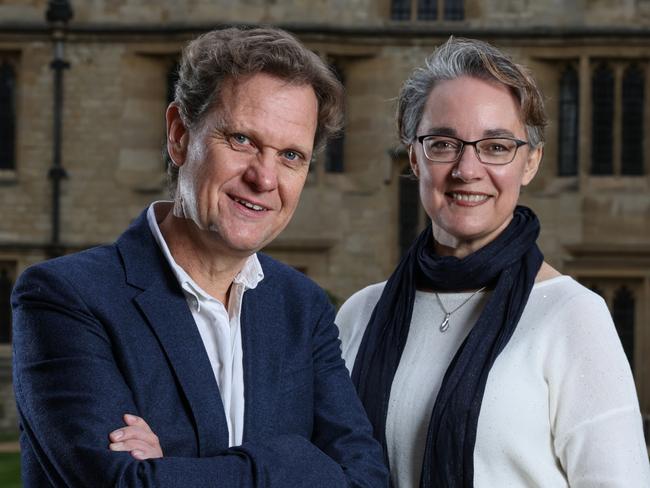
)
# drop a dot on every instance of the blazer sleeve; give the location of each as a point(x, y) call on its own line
point(71, 393)
point(341, 427)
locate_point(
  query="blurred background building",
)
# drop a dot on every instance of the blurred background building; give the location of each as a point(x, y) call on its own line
point(82, 99)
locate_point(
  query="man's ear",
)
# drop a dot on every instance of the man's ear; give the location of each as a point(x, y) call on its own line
point(532, 165)
point(177, 135)
point(413, 161)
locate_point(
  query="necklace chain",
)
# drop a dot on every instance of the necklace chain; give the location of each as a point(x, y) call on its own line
point(444, 325)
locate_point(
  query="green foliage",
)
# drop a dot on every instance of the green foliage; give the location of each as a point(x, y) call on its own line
point(10, 470)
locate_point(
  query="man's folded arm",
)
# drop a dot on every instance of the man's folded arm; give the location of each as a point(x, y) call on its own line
point(341, 428)
point(71, 394)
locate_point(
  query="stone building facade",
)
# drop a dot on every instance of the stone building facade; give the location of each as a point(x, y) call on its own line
point(358, 209)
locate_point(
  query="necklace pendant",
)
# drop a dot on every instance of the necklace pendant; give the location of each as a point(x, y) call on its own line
point(445, 323)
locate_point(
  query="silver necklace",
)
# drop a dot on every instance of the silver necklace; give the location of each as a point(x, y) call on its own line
point(445, 322)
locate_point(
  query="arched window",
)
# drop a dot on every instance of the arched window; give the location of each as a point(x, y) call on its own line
point(409, 210)
point(400, 10)
point(7, 116)
point(633, 135)
point(334, 155)
point(427, 9)
point(454, 10)
point(5, 306)
point(568, 127)
point(623, 314)
point(602, 102)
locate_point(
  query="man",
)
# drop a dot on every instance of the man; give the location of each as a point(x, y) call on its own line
point(231, 358)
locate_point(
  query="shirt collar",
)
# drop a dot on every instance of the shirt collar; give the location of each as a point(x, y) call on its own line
point(249, 276)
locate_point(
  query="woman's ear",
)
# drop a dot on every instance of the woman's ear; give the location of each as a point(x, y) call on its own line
point(413, 161)
point(532, 165)
point(177, 135)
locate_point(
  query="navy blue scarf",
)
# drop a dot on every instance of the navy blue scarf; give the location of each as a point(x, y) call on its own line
point(508, 265)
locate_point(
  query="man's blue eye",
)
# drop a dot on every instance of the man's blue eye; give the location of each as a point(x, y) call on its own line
point(291, 156)
point(240, 138)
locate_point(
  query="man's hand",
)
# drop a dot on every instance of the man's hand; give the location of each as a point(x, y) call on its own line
point(137, 438)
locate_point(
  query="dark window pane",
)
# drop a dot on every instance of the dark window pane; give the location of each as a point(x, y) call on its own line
point(568, 127)
point(623, 314)
point(597, 290)
point(454, 10)
point(7, 116)
point(632, 151)
point(172, 78)
point(602, 106)
point(427, 9)
point(400, 10)
point(334, 155)
point(409, 209)
point(5, 307)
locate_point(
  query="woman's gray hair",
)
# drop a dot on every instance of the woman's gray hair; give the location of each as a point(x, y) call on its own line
point(470, 57)
point(234, 53)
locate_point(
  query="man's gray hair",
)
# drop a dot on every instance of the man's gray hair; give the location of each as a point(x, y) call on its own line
point(459, 57)
point(225, 55)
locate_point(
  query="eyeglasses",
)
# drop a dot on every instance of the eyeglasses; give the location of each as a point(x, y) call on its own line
point(491, 150)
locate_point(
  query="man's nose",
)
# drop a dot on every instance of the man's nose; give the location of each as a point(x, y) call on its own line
point(262, 172)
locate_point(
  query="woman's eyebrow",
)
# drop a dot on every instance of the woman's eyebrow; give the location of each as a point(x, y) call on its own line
point(498, 133)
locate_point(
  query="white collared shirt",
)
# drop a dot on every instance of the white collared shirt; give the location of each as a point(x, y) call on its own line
point(220, 328)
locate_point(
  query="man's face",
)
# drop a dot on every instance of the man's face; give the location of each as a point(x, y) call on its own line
point(243, 168)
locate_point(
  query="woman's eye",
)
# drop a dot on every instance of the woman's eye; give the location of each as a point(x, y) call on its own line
point(495, 148)
point(442, 146)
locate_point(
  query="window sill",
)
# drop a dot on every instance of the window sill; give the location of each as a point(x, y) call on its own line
point(617, 183)
point(8, 177)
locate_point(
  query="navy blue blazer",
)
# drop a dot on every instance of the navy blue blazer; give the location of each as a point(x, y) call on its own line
point(108, 331)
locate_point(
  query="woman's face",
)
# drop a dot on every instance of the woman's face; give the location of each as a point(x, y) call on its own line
point(470, 203)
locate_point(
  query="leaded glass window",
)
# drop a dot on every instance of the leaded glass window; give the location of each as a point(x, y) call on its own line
point(427, 9)
point(172, 78)
point(334, 154)
point(568, 127)
point(7, 116)
point(409, 210)
point(632, 143)
point(623, 315)
point(454, 10)
point(5, 306)
point(602, 137)
point(400, 10)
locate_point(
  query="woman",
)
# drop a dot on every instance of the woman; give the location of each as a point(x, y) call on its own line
point(478, 363)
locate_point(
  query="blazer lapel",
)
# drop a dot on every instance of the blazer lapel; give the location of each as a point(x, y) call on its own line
point(165, 307)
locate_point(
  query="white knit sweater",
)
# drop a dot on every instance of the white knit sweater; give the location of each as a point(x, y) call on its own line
point(559, 409)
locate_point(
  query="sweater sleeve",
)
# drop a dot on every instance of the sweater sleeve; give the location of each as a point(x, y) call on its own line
point(595, 416)
point(352, 320)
